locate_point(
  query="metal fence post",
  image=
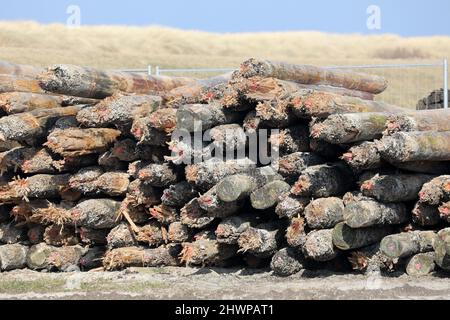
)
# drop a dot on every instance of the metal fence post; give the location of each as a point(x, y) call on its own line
point(445, 83)
point(157, 72)
point(149, 69)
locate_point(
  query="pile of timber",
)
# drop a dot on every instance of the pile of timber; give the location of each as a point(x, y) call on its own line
point(95, 175)
point(435, 100)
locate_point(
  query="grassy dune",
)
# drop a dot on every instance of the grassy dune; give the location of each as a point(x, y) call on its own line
point(135, 47)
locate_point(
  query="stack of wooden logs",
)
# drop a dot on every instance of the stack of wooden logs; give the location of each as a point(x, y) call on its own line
point(94, 176)
point(435, 100)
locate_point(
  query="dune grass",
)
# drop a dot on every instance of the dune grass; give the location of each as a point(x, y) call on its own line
point(116, 47)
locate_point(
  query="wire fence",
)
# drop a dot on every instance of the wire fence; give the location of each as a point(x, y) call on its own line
point(408, 83)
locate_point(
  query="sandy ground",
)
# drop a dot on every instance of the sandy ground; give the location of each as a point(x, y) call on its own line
point(188, 283)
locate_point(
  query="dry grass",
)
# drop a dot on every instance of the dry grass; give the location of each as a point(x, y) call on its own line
point(135, 47)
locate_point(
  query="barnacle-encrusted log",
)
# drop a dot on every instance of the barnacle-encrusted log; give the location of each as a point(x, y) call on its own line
point(178, 232)
point(78, 142)
point(121, 236)
point(33, 124)
point(177, 195)
point(118, 110)
point(122, 258)
point(193, 216)
point(324, 213)
point(436, 191)
point(154, 174)
point(313, 75)
point(286, 262)
point(229, 230)
point(207, 174)
point(206, 252)
point(96, 213)
point(323, 104)
point(364, 156)
point(292, 165)
point(406, 244)
point(201, 117)
point(415, 146)
point(395, 187)
point(425, 215)
point(93, 83)
point(365, 212)
point(291, 139)
point(262, 241)
point(429, 120)
point(324, 181)
point(18, 102)
point(319, 245)
point(56, 235)
point(240, 186)
point(444, 211)
point(268, 195)
point(350, 127)
point(290, 206)
point(296, 233)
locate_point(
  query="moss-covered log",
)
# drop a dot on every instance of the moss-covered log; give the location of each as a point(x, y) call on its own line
point(268, 195)
point(442, 249)
point(421, 264)
point(429, 120)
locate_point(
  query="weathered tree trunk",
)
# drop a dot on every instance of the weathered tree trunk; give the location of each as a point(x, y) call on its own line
point(201, 117)
point(370, 259)
point(215, 207)
point(96, 213)
point(324, 181)
point(362, 213)
point(292, 165)
point(13, 83)
point(290, 206)
point(261, 241)
point(77, 142)
point(416, 146)
point(287, 262)
point(119, 110)
point(430, 120)
point(206, 252)
point(156, 175)
point(207, 174)
point(11, 233)
point(324, 213)
point(350, 127)
point(179, 233)
point(152, 234)
point(13, 256)
point(240, 186)
point(113, 184)
point(444, 210)
point(94, 83)
point(322, 105)
point(165, 214)
point(442, 249)
point(296, 233)
point(177, 195)
point(55, 235)
point(319, 245)
point(346, 238)
point(313, 75)
point(364, 156)
point(121, 236)
point(421, 264)
point(436, 191)
point(34, 124)
point(193, 216)
point(143, 194)
point(275, 114)
point(18, 102)
point(291, 139)
point(395, 187)
point(230, 229)
point(43, 256)
point(268, 195)
point(122, 258)
point(425, 215)
point(406, 244)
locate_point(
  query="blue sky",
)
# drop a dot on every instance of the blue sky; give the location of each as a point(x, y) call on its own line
point(403, 17)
